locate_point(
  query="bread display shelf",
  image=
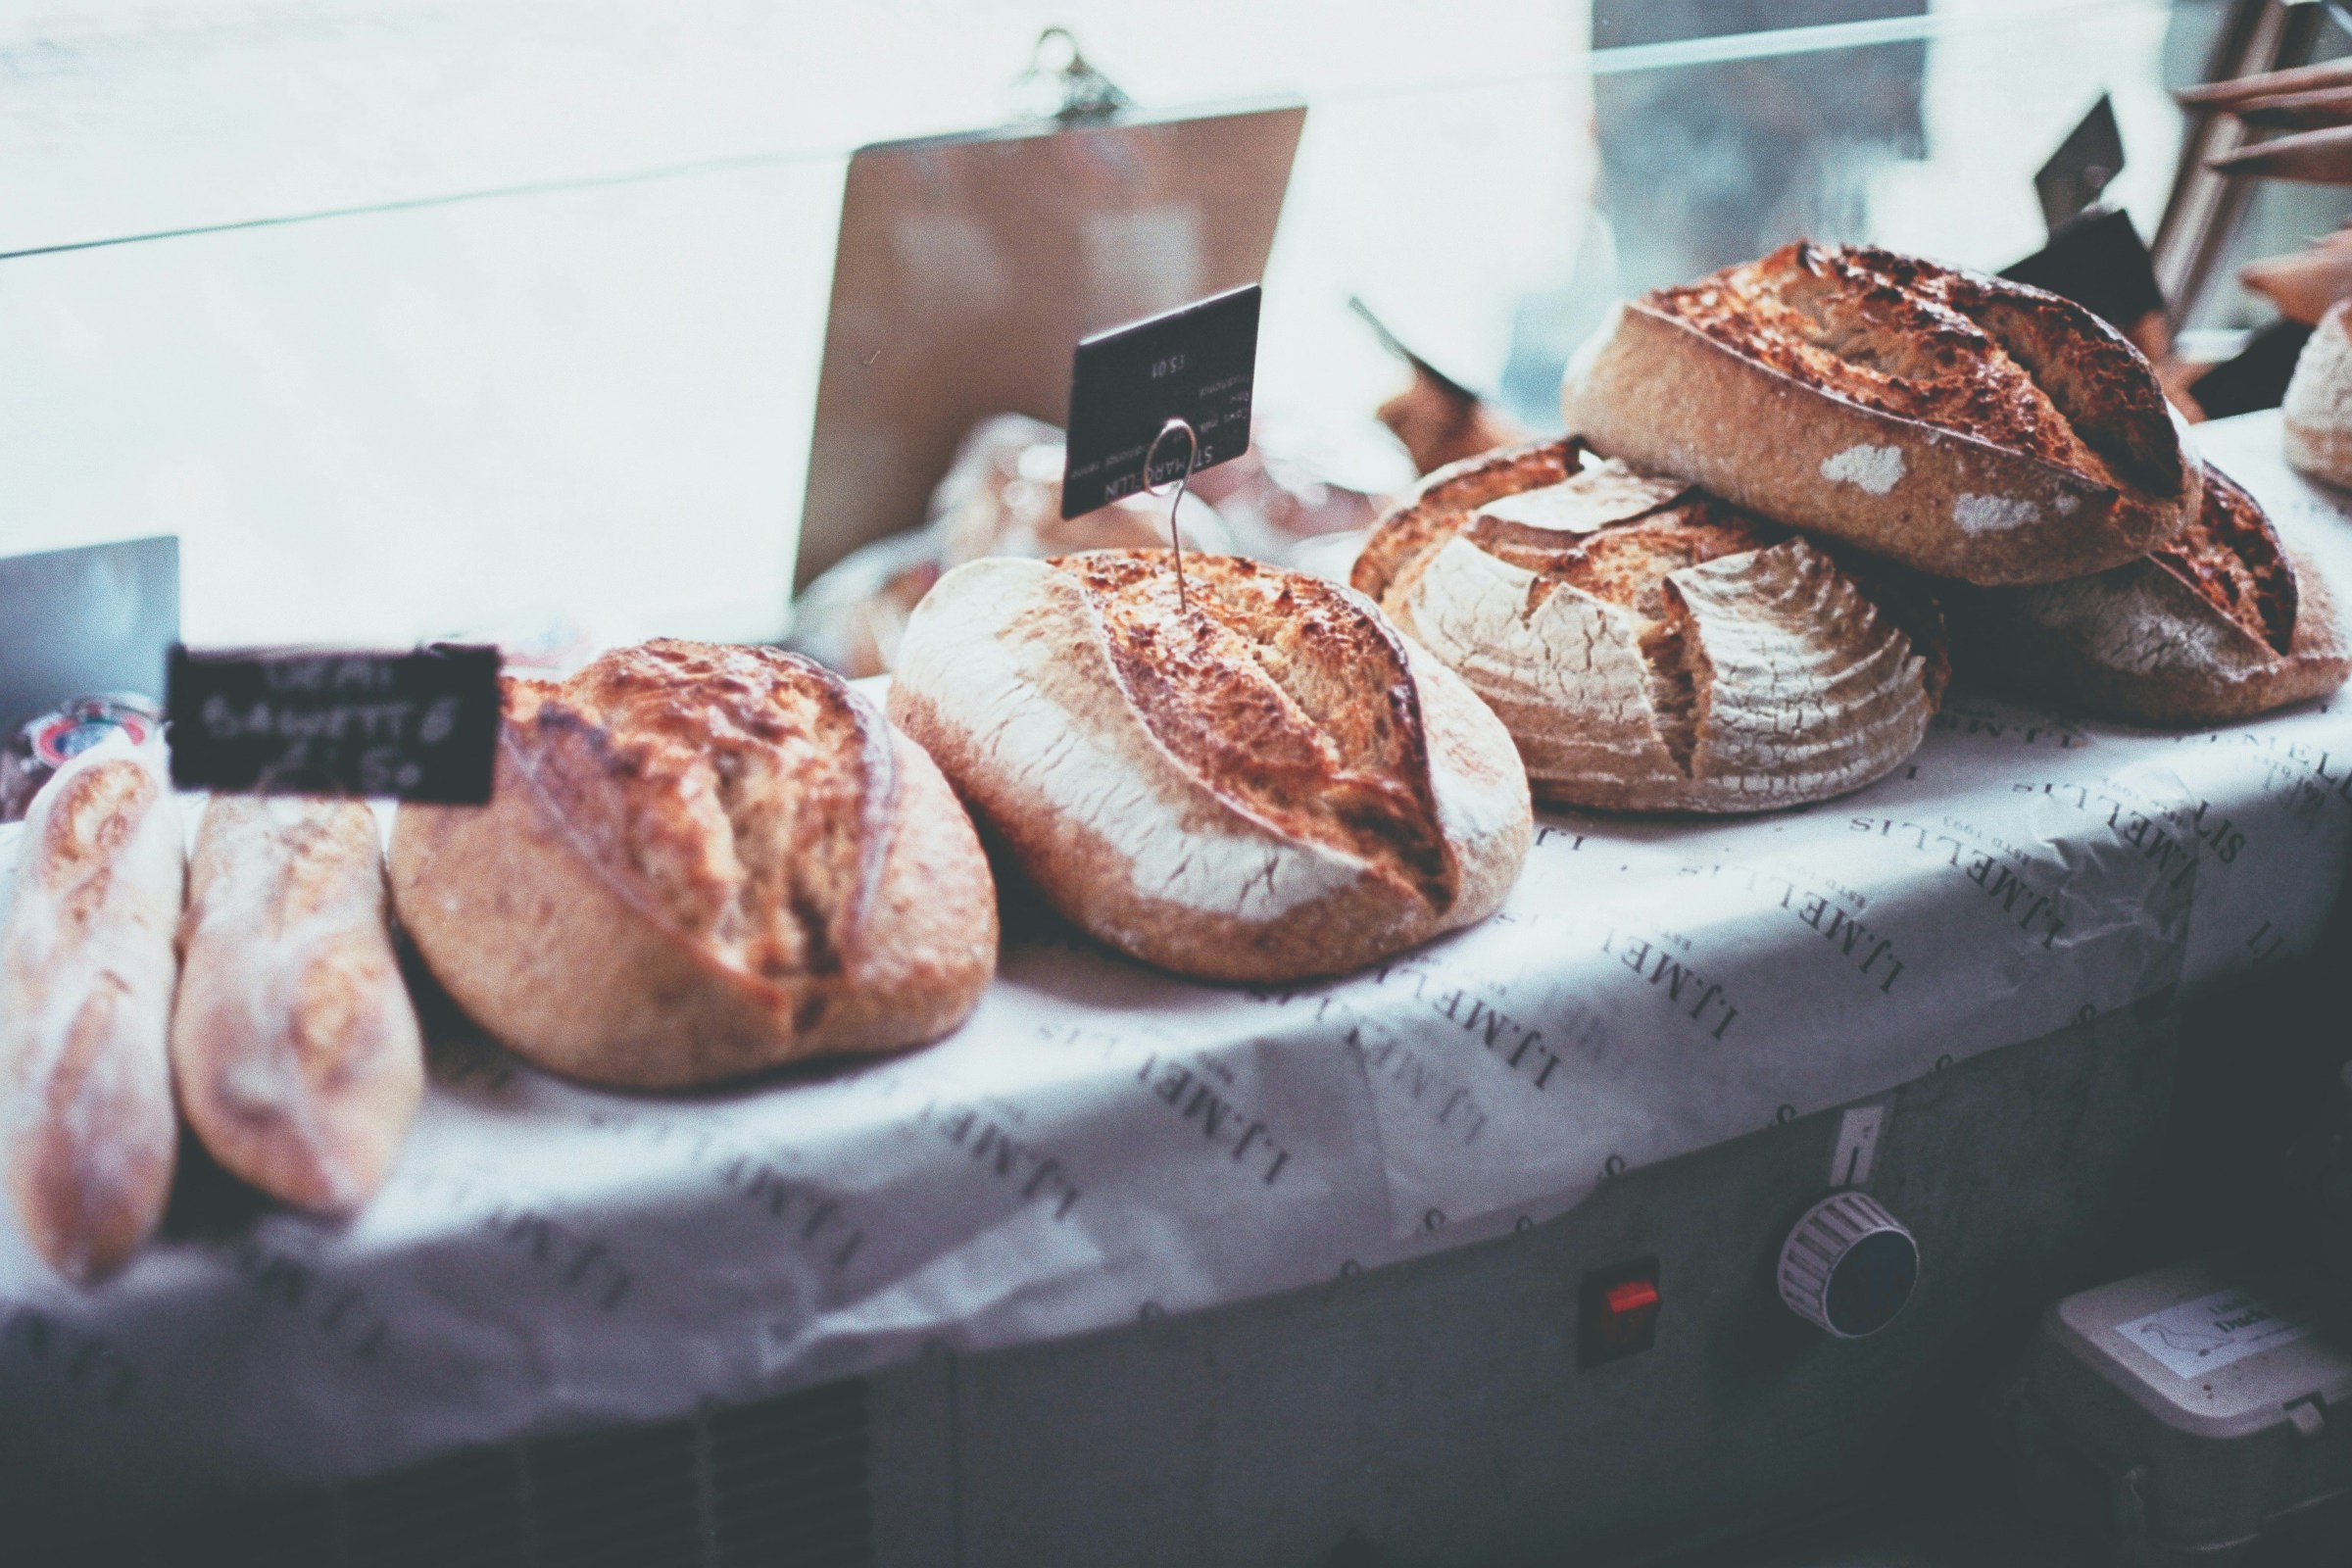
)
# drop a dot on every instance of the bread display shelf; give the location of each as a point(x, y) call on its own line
point(1102, 1141)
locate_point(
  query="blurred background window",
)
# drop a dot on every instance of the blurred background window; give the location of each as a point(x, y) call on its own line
point(415, 317)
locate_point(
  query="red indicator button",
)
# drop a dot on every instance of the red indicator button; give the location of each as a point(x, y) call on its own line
point(1632, 1296)
point(1617, 1312)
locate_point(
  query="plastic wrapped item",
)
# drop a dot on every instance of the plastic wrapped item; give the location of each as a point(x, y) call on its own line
point(1298, 483)
point(42, 746)
point(2178, 1417)
point(1002, 496)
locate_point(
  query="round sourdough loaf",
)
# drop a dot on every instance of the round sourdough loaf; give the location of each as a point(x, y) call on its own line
point(1966, 426)
point(2318, 407)
point(1262, 782)
point(700, 862)
point(1648, 646)
point(2226, 621)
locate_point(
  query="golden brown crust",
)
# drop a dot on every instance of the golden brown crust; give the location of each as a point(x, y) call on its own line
point(1452, 493)
point(1264, 784)
point(2190, 635)
point(734, 791)
point(1981, 357)
point(2230, 555)
point(294, 1046)
point(1281, 694)
point(1961, 424)
point(701, 861)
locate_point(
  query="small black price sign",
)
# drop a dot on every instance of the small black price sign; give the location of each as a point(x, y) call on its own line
point(419, 724)
point(1193, 363)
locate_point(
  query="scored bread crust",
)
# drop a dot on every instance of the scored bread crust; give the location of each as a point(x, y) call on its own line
point(2172, 641)
point(1962, 424)
point(699, 863)
point(1264, 784)
point(1662, 650)
point(1446, 495)
point(2317, 410)
point(295, 1048)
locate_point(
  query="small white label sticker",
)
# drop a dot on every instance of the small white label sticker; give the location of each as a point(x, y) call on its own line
point(2211, 1332)
point(1857, 1146)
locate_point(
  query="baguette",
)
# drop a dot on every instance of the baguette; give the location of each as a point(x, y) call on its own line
point(2225, 622)
point(1261, 781)
point(1650, 648)
point(1965, 425)
point(700, 862)
point(294, 1045)
point(86, 975)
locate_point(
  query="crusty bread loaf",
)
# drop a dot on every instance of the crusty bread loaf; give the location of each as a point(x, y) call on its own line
point(700, 862)
point(1648, 646)
point(1263, 783)
point(1443, 501)
point(1965, 425)
point(86, 974)
point(294, 1045)
point(2318, 406)
point(2224, 623)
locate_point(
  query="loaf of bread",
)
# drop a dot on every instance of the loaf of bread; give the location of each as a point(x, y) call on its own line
point(1968, 426)
point(1648, 646)
point(294, 1045)
point(2318, 406)
point(1259, 781)
point(700, 862)
point(86, 975)
point(2224, 623)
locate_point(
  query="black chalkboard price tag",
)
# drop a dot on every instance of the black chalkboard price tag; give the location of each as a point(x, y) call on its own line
point(419, 724)
point(1193, 363)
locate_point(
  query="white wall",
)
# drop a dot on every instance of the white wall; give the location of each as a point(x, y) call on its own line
point(591, 404)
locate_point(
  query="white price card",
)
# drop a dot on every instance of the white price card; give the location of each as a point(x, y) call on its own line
point(2211, 1332)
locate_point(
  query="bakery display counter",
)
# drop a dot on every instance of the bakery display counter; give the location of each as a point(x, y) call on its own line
point(1102, 1144)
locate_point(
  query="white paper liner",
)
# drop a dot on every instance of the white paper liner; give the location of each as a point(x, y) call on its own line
point(1100, 1143)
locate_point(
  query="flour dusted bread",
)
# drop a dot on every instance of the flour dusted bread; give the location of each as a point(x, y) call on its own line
point(86, 976)
point(2224, 623)
point(700, 862)
point(1260, 782)
point(2318, 407)
point(294, 1045)
point(1965, 425)
point(1648, 646)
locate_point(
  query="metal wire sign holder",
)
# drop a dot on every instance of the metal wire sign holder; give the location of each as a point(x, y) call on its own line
point(1191, 456)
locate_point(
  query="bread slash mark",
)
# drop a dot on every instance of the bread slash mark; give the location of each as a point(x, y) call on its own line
point(1284, 696)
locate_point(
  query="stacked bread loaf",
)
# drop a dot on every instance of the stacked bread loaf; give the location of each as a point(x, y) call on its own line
point(1728, 588)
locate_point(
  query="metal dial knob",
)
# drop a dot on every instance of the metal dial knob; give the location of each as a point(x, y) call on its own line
point(1848, 1267)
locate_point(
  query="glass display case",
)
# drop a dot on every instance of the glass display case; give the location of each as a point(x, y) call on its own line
point(414, 321)
point(1640, 1181)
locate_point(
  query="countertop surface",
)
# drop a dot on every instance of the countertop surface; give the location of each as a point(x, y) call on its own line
point(1100, 1143)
